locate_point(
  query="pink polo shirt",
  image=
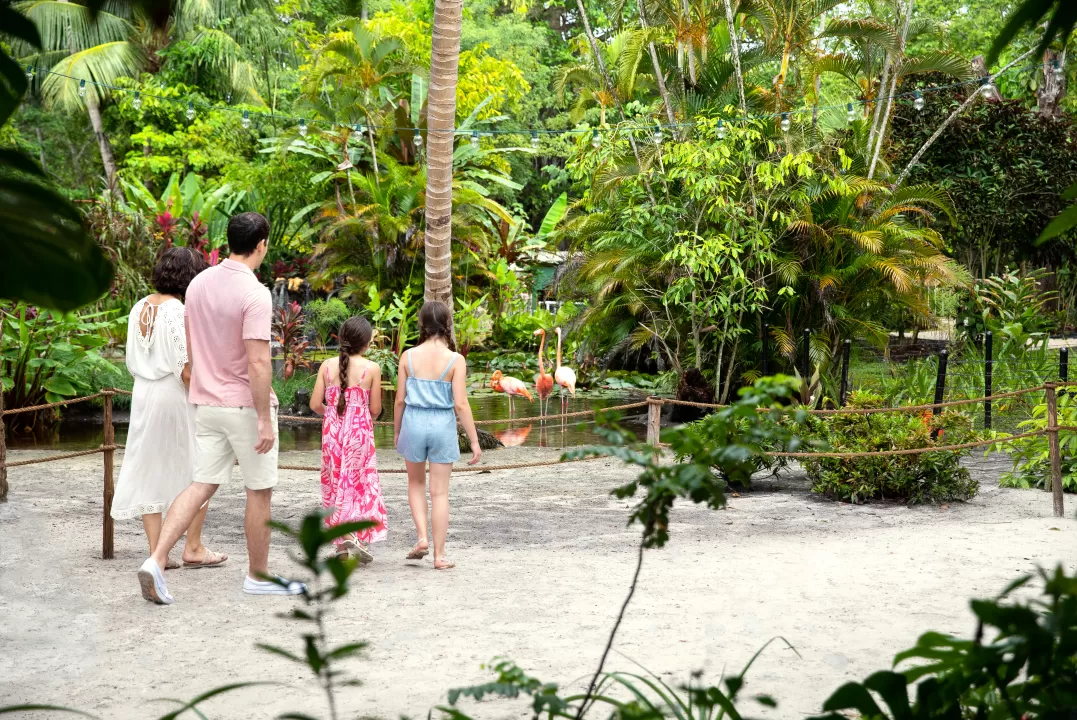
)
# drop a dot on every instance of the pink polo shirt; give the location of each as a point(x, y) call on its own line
point(225, 306)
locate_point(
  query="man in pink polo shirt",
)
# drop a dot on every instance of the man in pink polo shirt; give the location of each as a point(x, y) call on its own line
point(228, 318)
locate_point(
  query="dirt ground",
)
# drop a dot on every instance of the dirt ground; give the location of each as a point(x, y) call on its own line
point(544, 560)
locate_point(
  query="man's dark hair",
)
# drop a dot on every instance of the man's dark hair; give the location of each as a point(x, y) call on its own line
point(175, 269)
point(245, 231)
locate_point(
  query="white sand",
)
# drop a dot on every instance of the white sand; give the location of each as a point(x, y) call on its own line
point(544, 559)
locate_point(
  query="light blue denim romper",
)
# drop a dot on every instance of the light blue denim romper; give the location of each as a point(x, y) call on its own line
point(428, 429)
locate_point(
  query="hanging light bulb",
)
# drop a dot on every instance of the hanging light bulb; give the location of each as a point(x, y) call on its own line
point(418, 141)
point(30, 72)
point(474, 140)
point(82, 88)
point(228, 99)
point(720, 131)
point(658, 136)
point(786, 123)
point(1056, 70)
point(302, 128)
point(596, 141)
point(136, 101)
point(534, 139)
point(850, 114)
point(246, 121)
point(190, 110)
point(985, 87)
point(918, 100)
point(360, 128)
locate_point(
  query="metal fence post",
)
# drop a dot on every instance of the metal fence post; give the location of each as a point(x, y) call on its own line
point(805, 362)
point(989, 365)
point(107, 530)
point(766, 350)
point(940, 387)
point(1055, 484)
point(845, 350)
point(1063, 367)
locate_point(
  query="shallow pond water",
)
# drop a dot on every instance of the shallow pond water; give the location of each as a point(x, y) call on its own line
point(85, 431)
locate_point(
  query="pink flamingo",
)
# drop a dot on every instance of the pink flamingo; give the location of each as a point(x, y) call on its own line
point(513, 387)
point(543, 381)
point(563, 376)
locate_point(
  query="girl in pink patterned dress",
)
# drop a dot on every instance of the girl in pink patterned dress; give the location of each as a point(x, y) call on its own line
point(348, 394)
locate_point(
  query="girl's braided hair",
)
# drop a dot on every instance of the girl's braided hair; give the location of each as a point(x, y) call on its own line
point(354, 338)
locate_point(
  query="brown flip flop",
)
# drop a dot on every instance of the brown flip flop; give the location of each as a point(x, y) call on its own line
point(210, 559)
point(417, 554)
point(171, 564)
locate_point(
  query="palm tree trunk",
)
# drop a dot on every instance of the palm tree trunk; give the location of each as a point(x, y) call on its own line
point(692, 72)
point(107, 158)
point(441, 120)
point(735, 45)
point(659, 77)
point(601, 64)
point(899, 60)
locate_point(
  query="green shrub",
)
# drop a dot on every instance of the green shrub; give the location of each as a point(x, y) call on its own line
point(325, 317)
point(926, 477)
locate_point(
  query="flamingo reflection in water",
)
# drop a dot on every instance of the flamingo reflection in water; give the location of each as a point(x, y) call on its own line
point(513, 437)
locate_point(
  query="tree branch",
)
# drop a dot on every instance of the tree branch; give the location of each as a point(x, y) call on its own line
point(588, 698)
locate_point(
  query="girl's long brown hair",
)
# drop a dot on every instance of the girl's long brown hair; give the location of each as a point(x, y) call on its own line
point(354, 338)
point(435, 320)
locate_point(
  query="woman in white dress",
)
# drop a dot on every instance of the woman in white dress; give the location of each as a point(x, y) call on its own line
point(159, 456)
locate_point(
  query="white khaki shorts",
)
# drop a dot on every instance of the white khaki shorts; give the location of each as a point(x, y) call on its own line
point(225, 435)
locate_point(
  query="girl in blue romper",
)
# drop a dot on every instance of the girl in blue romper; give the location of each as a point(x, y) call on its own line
point(428, 406)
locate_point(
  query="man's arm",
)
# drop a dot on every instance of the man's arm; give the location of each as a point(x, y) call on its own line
point(260, 374)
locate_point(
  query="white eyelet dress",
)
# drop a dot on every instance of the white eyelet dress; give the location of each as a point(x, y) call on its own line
point(159, 457)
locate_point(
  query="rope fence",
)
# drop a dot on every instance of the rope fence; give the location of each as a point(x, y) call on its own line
point(654, 407)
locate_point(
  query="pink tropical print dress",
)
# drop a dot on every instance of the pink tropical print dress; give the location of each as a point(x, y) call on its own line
point(351, 487)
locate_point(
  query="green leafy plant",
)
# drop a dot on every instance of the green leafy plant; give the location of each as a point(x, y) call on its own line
point(315, 542)
point(472, 324)
point(49, 258)
point(288, 326)
point(1012, 299)
point(48, 356)
point(397, 319)
point(919, 478)
point(1020, 664)
point(325, 317)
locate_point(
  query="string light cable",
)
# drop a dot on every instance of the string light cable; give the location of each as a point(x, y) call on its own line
point(656, 130)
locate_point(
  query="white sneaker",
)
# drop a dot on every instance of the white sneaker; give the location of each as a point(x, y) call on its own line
point(153, 585)
point(266, 587)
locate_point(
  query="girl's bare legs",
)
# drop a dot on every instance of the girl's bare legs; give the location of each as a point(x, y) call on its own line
point(417, 501)
point(439, 510)
point(151, 522)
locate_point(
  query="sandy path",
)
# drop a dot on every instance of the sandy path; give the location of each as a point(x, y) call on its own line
point(544, 561)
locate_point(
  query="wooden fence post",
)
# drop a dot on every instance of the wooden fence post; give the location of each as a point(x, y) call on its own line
point(654, 419)
point(107, 530)
point(1055, 453)
point(3, 453)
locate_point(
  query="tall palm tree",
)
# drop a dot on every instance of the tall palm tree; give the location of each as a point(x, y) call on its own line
point(81, 51)
point(441, 121)
point(622, 54)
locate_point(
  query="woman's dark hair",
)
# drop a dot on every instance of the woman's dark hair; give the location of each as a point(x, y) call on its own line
point(175, 269)
point(245, 231)
point(435, 320)
point(354, 337)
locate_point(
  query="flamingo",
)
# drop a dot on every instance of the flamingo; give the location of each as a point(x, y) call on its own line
point(511, 386)
point(543, 381)
point(563, 376)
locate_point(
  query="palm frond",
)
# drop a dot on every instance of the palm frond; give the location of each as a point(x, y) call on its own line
point(104, 63)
